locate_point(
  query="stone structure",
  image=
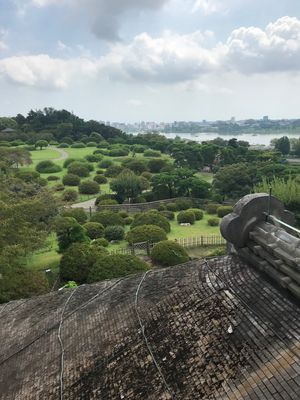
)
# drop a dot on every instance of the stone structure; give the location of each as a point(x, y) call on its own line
point(254, 228)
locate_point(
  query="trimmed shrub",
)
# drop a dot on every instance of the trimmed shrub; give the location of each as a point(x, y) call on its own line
point(128, 220)
point(76, 263)
point(183, 204)
point(139, 200)
point(156, 166)
point(137, 166)
point(213, 222)
point(186, 217)
point(114, 232)
point(100, 242)
point(79, 168)
point(68, 161)
point(123, 214)
point(28, 176)
point(105, 163)
point(69, 231)
point(224, 210)
point(104, 196)
point(47, 167)
point(152, 218)
point(152, 153)
point(168, 214)
point(115, 266)
point(94, 230)
point(118, 152)
point(70, 195)
point(58, 188)
point(169, 253)
point(93, 158)
point(63, 146)
point(107, 218)
point(147, 175)
point(98, 151)
point(212, 208)
point(144, 233)
point(171, 207)
point(89, 187)
point(78, 145)
point(139, 148)
point(77, 213)
point(100, 172)
point(198, 213)
point(53, 178)
point(161, 207)
point(108, 202)
point(91, 144)
point(71, 180)
point(100, 179)
point(113, 171)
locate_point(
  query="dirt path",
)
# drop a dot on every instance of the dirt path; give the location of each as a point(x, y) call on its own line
point(63, 154)
point(85, 204)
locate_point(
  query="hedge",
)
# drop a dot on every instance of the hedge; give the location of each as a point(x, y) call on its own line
point(169, 253)
point(115, 266)
point(152, 218)
point(47, 167)
point(144, 233)
point(186, 217)
point(212, 208)
point(94, 230)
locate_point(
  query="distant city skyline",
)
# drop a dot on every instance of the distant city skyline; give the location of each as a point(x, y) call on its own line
point(155, 60)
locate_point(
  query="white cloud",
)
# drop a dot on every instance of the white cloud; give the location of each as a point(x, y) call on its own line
point(45, 3)
point(135, 102)
point(42, 71)
point(168, 59)
point(207, 7)
point(277, 48)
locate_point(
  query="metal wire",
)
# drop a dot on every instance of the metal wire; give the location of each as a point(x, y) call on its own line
point(145, 337)
point(61, 344)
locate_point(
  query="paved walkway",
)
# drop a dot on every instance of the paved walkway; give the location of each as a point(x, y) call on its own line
point(85, 204)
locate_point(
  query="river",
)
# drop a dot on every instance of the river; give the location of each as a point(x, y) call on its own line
point(253, 139)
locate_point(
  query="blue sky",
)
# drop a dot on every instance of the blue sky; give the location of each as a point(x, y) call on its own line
point(162, 60)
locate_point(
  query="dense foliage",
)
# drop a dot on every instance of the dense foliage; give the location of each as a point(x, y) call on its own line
point(144, 233)
point(152, 218)
point(169, 253)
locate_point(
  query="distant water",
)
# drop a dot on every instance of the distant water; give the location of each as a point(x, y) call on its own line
point(256, 139)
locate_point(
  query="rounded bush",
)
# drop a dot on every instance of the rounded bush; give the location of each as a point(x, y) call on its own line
point(198, 213)
point(105, 163)
point(183, 204)
point(152, 218)
point(94, 230)
point(113, 171)
point(98, 151)
point(139, 148)
point(114, 232)
point(63, 146)
point(79, 168)
point(144, 233)
point(91, 144)
point(152, 153)
point(123, 214)
point(161, 207)
point(169, 253)
point(89, 187)
point(104, 196)
point(120, 152)
point(47, 167)
point(107, 218)
point(78, 260)
point(139, 200)
point(224, 210)
point(77, 213)
point(168, 214)
point(115, 266)
point(71, 180)
point(70, 195)
point(108, 202)
point(78, 145)
point(28, 176)
point(100, 179)
point(128, 220)
point(171, 207)
point(156, 165)
point(53, 178)
point(213, 222)
point(212, 208)
point(147, 175)
point(186, 217)
point(100, 242)
point(58, 188)
point(93, 158)
point(68, 161)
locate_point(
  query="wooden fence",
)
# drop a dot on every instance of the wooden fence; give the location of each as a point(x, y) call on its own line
point(189, 242)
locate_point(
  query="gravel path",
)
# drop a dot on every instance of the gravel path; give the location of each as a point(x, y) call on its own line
point(85, 204)
point(63, 154)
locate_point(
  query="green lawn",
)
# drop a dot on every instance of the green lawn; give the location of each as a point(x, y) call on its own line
point(206, 176)
point(45, 154)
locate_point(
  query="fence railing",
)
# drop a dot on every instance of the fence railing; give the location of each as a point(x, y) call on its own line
point(189, 242)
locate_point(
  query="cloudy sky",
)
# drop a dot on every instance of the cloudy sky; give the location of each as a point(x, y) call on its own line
point(161, 60)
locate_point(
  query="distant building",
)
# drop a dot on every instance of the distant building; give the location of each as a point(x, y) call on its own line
point(8, 130)
point(266, 118)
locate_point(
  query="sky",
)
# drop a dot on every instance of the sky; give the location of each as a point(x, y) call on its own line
point(151, 60)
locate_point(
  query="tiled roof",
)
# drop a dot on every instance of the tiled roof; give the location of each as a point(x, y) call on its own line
point(215, 329)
